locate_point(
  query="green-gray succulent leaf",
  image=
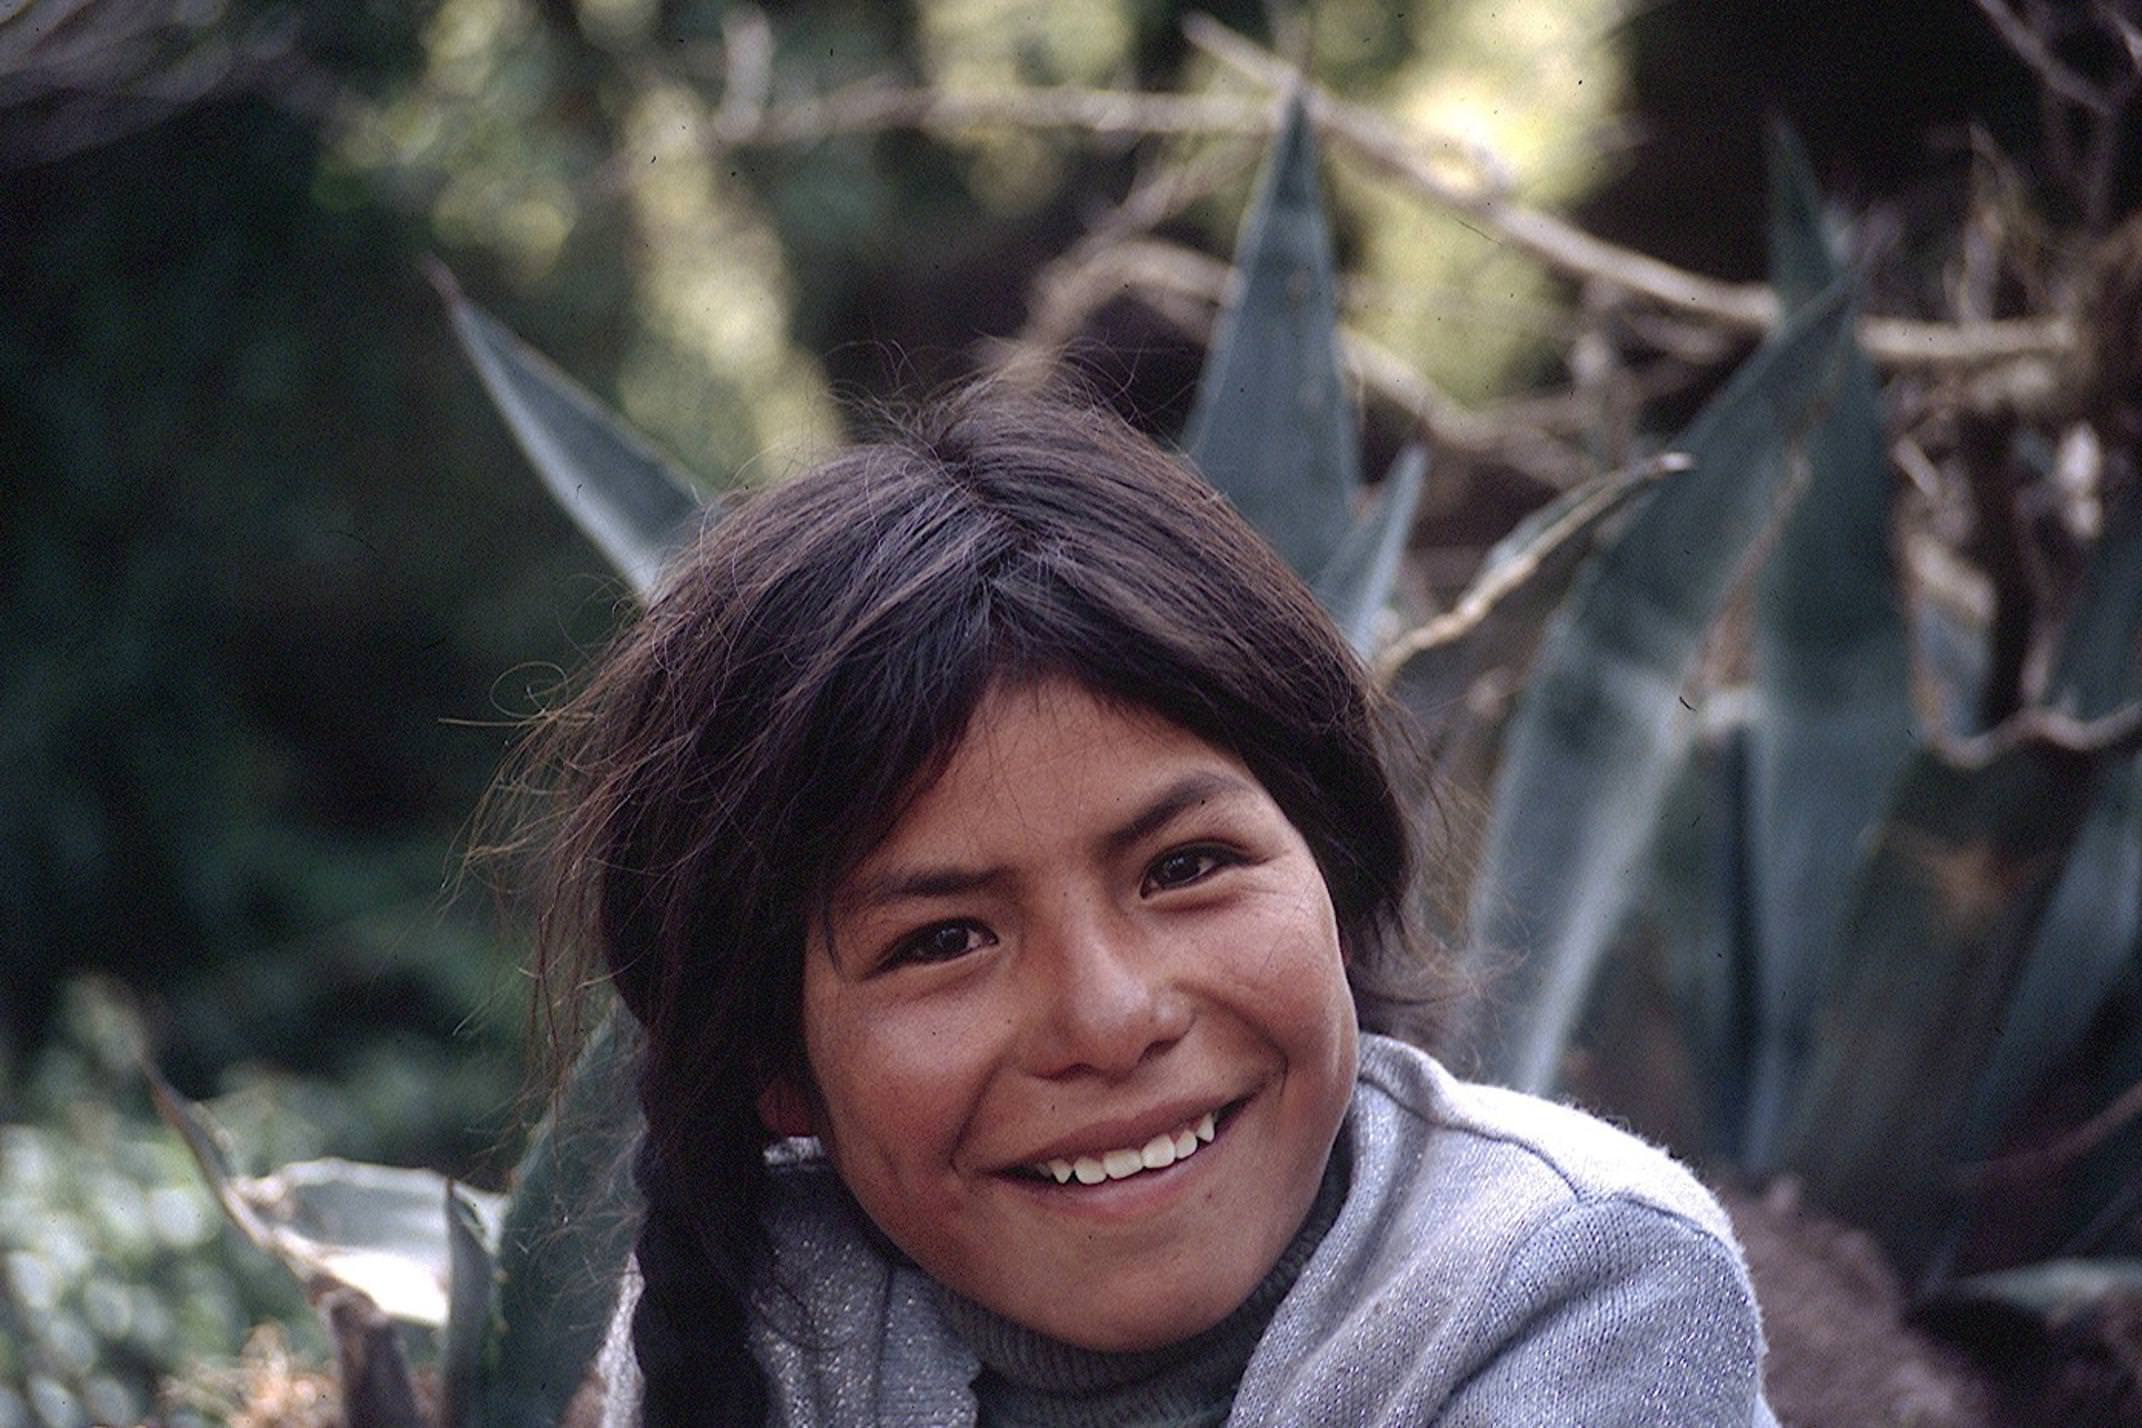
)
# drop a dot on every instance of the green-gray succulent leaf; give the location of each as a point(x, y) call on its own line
point(568, 1229)
point(1956, 885)
point(2093, 928)
point(1833, 722)
point(1496, 621)
point(1357, 584)
point(1593, 744)
point(634, 504)
point(1273, 426)
point(379, 1230)
point(472, 1298)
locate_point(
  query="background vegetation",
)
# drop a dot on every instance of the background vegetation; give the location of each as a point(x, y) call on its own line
point(277, 583)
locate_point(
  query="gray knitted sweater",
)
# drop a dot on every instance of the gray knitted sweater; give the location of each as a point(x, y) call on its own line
point(1499, 1260)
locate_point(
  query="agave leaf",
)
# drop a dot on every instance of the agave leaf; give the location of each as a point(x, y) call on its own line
point(336, 1224)
point(471, 1292)
point(379, 1229)
point(2051, 1290)
point(1357, 584)
point(1522, 576)
point(1700, 881)
point(2103, 1207)
point(567, 1231)
point(2094, 926)
point(1833, 720)
point(1802, 262)
point(2084, 944)
point(1590, 749)
point(2094, 668)
point(1950, 902)
point(206, 1142)
point(1664, 1041)
point(373, 1371)
point(633, 503)
point(1272, 426)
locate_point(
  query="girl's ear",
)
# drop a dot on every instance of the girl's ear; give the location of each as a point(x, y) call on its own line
point(784, 1109)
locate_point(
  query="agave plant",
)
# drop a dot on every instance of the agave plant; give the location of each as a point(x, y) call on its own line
point(1888, 936)
point(1877, 937)
point(516, 1288)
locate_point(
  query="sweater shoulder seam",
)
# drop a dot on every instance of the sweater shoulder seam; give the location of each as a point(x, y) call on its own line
point(1578, 1190)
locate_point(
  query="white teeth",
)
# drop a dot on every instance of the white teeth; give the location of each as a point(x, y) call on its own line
point(1158, 1153)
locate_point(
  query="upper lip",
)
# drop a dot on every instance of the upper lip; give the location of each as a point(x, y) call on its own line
point(1096, 1138)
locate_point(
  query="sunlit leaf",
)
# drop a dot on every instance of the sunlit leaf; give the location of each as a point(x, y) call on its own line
point(379, 1229)
point(2054, 1289)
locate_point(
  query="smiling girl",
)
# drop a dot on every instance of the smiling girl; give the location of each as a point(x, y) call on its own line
point(995, 843)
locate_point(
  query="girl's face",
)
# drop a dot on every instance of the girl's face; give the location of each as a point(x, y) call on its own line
point(1094, 944)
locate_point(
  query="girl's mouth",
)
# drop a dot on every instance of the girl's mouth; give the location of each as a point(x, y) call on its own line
point(1159, 1153)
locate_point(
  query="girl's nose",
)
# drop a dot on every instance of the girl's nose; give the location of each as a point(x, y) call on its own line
point(1104, 997)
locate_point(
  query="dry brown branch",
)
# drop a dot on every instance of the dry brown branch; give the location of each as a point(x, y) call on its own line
point(747, 48)
point(2030, 47)
point(1456, 428)
point(1148, 267)
point(2030, 1164)
point(870, 107)
point(2129, 32)
point(1892, 341)
point(1066, 291)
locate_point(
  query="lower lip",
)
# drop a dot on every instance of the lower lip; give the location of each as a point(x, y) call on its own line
point(1137, 1195)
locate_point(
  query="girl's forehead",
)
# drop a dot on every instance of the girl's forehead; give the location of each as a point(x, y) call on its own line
point(1052, 756)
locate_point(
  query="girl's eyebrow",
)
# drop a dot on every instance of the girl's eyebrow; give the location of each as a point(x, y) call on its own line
point(1177, 798)
point(896, 884)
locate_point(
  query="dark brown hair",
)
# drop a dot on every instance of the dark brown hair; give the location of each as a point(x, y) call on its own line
point(808, 665)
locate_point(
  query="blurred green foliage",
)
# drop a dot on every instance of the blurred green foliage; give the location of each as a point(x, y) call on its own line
point(233, 634)
point(116, 1268)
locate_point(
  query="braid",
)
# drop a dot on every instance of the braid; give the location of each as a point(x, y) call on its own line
point(688, 1330)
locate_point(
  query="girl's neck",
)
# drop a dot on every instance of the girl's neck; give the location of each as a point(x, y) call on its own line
point(1028, 1377)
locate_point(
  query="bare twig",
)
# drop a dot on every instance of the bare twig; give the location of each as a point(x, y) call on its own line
point(1147, 267)
point(747, 49)
point(2129, 32)
point(870, 107)
point(2030, 47)
point(1895, 342)
point(1065, 291)
point(2092, 1133)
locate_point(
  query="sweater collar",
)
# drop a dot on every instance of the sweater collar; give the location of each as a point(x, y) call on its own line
point(1028, 1377)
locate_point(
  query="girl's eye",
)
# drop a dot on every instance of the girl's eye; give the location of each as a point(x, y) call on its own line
point(942, 943)
point(1181, 868)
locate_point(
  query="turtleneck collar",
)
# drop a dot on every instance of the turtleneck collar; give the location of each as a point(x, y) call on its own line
point(1030, 1378)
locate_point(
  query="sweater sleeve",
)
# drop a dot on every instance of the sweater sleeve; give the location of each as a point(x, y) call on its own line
point(1615, 1312)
